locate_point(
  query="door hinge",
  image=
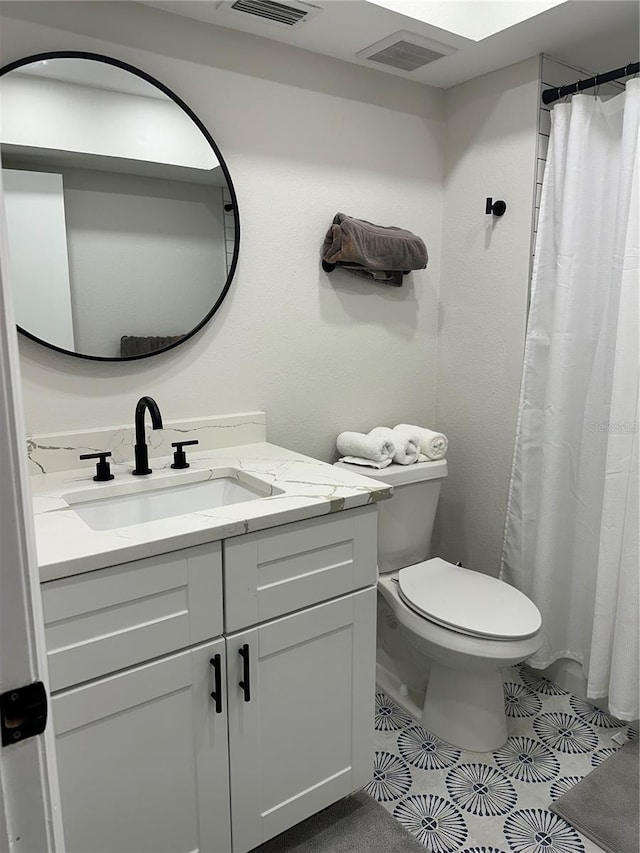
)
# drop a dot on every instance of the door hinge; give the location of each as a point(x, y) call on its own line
point(23, 712)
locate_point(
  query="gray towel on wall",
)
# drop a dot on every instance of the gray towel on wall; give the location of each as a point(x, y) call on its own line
point(376, 252)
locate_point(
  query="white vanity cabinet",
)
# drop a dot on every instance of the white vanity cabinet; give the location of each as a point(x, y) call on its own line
point(142, 754)
point(143, 759)
point(278, 625)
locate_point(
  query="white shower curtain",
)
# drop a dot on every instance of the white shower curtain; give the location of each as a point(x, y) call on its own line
point(571, 534)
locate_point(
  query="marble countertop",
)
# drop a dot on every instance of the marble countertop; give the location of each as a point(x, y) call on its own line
point(297, 487)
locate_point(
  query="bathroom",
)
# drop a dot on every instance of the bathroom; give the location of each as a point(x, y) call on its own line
point(305, 134)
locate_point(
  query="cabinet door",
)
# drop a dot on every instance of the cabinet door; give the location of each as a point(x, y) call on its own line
point(143, 759)
point(303, 737)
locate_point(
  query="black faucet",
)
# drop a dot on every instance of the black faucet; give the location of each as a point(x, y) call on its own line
point(140, 449)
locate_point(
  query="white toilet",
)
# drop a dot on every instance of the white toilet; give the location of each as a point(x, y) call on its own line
point(467, 624)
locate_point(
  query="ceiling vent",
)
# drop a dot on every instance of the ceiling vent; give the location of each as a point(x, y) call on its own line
point(289, 14)
point(405, 51)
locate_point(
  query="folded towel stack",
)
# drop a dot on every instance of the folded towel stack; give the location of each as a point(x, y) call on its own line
point(404, 445)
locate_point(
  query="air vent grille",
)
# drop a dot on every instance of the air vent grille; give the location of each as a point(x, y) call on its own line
point(405, 55)
point(405, 51)
point(271, 11)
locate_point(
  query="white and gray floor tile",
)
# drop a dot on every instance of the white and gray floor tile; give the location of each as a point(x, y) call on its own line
point(455, 801)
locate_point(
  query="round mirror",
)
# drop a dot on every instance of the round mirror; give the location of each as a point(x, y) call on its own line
point(122, 219)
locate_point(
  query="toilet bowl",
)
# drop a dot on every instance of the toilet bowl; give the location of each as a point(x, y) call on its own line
point(467, 625)
point(468, 638)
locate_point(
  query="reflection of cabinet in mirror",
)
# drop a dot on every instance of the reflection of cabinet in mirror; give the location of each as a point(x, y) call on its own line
point(150, 244)
point(147, 758)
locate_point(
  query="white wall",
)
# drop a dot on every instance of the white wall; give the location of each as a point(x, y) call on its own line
point(62, 116)
point(304, 137)
point(490, 145)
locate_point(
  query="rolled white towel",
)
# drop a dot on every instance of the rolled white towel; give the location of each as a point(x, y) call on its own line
point(377, 448)
point(371, 463)
point(432, 444)
point(407, 446)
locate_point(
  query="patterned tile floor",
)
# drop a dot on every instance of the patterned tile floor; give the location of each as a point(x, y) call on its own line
point(455, 801)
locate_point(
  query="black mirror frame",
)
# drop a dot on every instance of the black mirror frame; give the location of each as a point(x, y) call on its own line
point(125, 66)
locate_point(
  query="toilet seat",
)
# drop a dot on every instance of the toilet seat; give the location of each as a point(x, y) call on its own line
point(467, 601)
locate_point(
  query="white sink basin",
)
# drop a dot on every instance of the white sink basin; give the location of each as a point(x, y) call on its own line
point(125, 504)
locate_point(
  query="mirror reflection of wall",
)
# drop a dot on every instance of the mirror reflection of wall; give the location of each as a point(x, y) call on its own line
point(119, 239)
point(131, 243)
point(34, 208)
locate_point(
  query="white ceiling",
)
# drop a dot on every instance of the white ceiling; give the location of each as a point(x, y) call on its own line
point(595, 34)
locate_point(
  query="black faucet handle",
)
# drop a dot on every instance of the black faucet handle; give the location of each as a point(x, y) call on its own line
point(103, 471)
point(179, 457)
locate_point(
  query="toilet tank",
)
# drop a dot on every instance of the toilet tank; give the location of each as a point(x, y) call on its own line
point(405, 523)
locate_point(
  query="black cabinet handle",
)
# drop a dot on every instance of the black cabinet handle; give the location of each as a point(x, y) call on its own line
point(216, 663)
point(244, 654)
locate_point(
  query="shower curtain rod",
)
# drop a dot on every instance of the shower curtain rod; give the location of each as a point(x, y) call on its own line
point(551, 95)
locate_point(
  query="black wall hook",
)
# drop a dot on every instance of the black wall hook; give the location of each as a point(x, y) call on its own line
point(496, 207)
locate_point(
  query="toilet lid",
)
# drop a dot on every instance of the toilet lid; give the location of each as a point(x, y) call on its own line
point(468, 601)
